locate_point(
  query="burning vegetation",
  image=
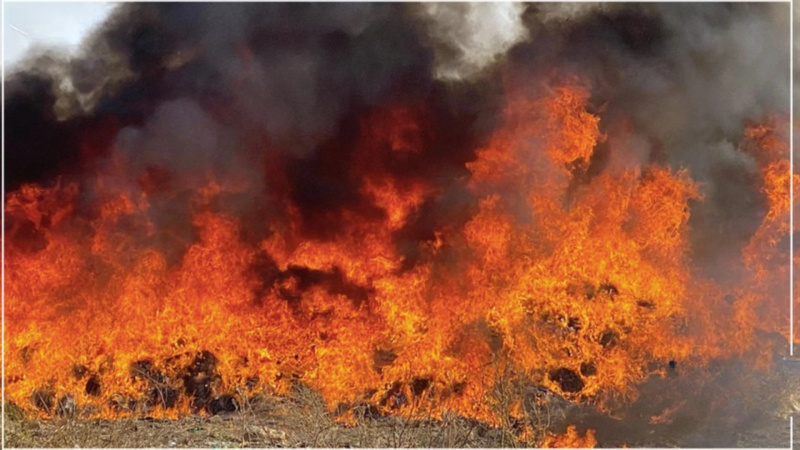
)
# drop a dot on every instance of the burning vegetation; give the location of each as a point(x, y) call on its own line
point(334, 196)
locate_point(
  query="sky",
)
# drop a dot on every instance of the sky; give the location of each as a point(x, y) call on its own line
point(62, 24)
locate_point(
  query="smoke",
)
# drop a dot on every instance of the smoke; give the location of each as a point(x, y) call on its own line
point(726, 68)
point(469, 37)
point(687, 78)
point(179, 136)
point(272, 97)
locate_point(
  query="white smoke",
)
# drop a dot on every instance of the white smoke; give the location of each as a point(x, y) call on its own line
point(569, 11)
point(469, 37)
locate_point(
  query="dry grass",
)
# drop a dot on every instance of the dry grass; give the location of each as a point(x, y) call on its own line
point(299, 420)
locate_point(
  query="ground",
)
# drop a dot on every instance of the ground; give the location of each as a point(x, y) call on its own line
point(296, 421)
point(752, 414)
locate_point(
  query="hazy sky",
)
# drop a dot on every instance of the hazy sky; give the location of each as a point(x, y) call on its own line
point(62, 24)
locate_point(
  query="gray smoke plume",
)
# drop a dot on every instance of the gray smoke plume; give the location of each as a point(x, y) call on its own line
point(690, 77)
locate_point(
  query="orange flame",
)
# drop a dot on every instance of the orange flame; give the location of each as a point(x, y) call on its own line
point(570, 439)
point(583, 287)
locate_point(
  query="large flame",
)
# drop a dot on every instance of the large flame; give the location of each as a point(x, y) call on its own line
point(576, 280)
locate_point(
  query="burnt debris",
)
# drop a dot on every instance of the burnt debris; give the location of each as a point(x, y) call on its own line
point(609, 339)
point(199, 379)
point(608, 289)
point(66, 406)
point(567, 379)
point(419, 386)
point(79, 371)
point(165, 396)
point(43, 400)
point(93, 386)
point(588, 369)
point(647, 304)
point(223, 403)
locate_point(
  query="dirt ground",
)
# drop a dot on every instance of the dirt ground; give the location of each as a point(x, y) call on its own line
point(298, 421)
point(754, 418)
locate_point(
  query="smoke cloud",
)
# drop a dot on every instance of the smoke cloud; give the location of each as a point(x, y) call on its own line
point(471, 36)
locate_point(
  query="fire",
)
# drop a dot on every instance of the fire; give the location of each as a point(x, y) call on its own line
point(570, 439)
point(575, 280)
